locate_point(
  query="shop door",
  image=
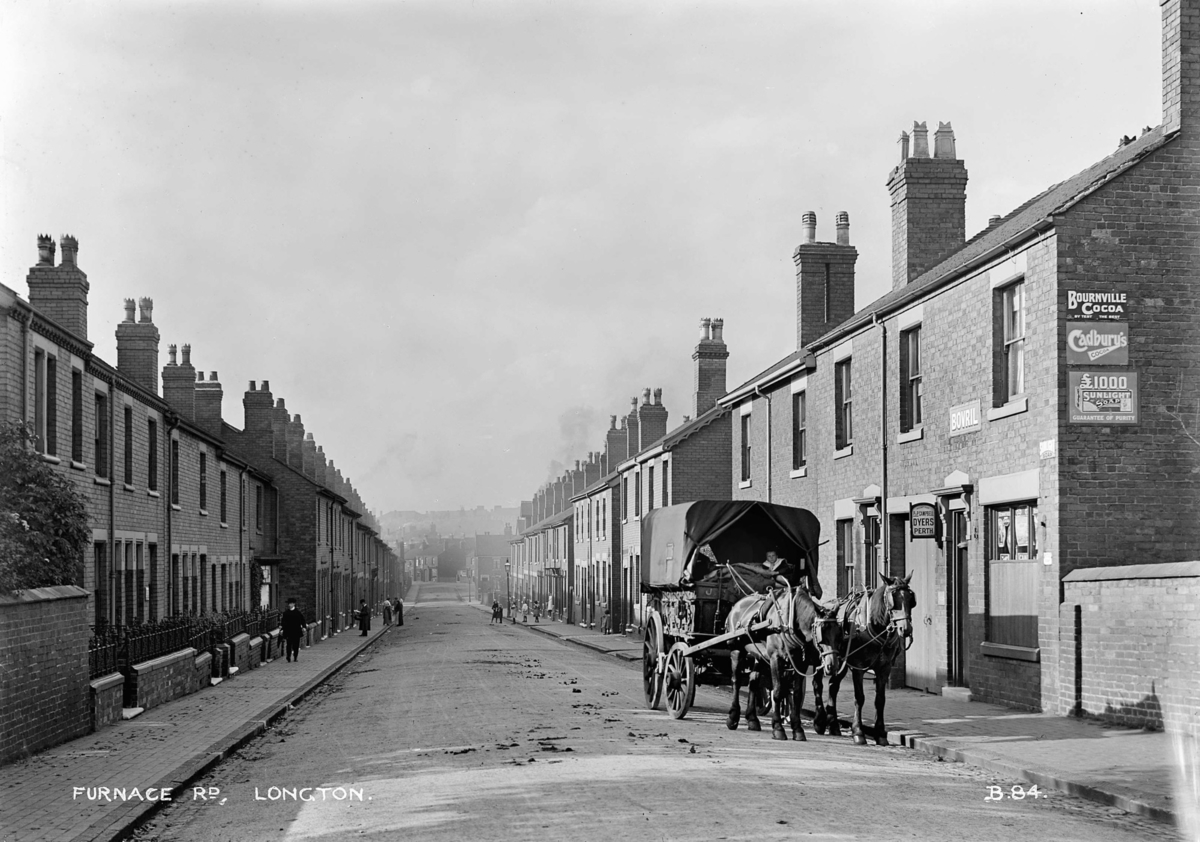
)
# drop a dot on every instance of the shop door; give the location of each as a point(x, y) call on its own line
point(921, 660)
point(956, 569)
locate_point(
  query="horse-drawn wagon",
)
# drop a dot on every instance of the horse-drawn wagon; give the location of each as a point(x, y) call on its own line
point(698, 560)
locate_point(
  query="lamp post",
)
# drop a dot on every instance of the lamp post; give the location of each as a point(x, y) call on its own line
point(508, 588)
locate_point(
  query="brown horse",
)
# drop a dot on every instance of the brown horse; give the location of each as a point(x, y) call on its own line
point(801, 633)
point(877, 627)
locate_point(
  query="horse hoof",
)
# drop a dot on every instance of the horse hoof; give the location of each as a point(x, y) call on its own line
point(860, 740)
point(731, 724)
point(835, 732)
point(779, 735)
point(799, 735)
point(882, 741)
point(753, 726)
point(820, 729)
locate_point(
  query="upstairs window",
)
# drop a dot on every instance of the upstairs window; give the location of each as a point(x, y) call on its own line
point(746, 448)
point(843, 405)
point(101, 428)
point(910, 379)
point(799, 430)
point(76, 415)
point(129, 445)
point(223, 502)
point(650, 489)
point(203, 481)
point(152, 455)
point(1010, 349)
point(174, 472)
point(637, 494)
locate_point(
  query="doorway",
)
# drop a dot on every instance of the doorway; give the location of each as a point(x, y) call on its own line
point(921, 559)
point(957, 542)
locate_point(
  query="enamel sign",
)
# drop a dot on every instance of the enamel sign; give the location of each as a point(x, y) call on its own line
point(1106, 306)
point(1098, 343)
point(1103, 398)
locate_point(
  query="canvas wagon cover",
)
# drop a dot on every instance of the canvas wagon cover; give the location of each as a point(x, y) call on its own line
point(738, 531)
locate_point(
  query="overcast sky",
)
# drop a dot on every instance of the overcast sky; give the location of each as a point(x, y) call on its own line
point(456, 237)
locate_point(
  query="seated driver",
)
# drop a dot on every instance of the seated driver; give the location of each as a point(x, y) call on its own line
point(784, 572)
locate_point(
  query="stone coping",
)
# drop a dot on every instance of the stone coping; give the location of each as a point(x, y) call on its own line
point(43, 594)
point(1173, 570)
point(164, 661)
point(106, 682)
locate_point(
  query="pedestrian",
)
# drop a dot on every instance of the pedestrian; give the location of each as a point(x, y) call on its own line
point(537, 610)
point(364, 618)
point(525, 611)
point(604, 623)
point(399, 607)
point(291, 626)
point(497, 614)
point(387, 613)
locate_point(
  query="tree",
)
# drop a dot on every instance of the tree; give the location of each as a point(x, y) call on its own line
point(43, 520)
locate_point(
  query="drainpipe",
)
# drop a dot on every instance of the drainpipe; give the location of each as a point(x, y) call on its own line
point(884, 525)
point(758, 391)
point(112, 503)
point(243, 570)
point(173, 423)
point(24, 362)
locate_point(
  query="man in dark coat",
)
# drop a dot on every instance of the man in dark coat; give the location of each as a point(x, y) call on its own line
point(291, 626)
point(364, 618)
point(398, 607)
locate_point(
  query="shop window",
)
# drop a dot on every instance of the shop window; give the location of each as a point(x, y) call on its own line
point(843, 405)
point(1009, 333)
point(1013, 574)
point(910, 379)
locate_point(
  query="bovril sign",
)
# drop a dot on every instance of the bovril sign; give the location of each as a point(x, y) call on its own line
point(1098, 343)
point(965, 418)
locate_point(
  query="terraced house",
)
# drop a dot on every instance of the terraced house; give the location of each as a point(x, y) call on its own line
point(1009, 423)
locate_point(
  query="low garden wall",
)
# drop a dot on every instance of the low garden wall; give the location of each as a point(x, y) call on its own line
point(1130, 643)
point(43, 669)
point(108, 697)
point(151, 683)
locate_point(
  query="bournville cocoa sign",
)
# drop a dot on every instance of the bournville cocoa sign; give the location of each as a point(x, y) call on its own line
point(1106, 306)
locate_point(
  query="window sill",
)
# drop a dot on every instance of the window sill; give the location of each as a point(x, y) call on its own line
point(101, 481)
point(224, 525)
point(129, 487)
point(154, 494)
point(1013, 653)
point(915, 434)
point(53, 460)
point(746, 483)
point(799, 472)
point(848, 450)
point(175, 507)
point(79, 466)
point(1015, 407)
point(203, 513)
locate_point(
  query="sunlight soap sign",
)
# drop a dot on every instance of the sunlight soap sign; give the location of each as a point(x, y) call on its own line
point(1108, 398)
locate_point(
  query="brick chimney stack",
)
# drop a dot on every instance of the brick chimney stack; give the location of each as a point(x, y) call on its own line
point(652, 419)
point(1180, 65)
point(591, 470)
point(309, 453)
point(280, 418)
point(59, 292)
point(320, 466)
point(295, 442)
point(257, 405)
point(616, 445)
point(824, 280)
point(209, 396)
point(929, 203)
point(710, 356)
point(631, 428)
point(137, 346)
point(179, 383)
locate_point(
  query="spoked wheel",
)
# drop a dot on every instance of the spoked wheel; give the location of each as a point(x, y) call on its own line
point(679, 681)
point(652, 647)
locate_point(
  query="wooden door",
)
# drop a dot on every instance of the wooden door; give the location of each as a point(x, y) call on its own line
point(956, 569)
point(921, 558)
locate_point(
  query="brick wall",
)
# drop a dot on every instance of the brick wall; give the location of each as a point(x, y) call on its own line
point(152, 683)
point(1130, 643)
point(43, 669)
point(108, 697)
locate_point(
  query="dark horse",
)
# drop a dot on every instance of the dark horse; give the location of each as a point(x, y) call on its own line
point(876, 626)
point(800, 633)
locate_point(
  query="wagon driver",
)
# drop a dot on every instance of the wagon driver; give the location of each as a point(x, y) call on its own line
point(788, 574)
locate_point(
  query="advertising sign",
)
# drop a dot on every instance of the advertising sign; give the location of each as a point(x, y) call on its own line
point(1103, 398)
point(965, 418)
point(1098, 343)
point(1107, 306)
point(922, 521)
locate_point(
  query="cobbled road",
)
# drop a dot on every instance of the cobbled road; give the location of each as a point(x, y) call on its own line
point(451, 728)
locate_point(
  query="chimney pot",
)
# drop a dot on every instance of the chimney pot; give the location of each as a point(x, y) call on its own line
point(658, 397)
point(943, 142)
point(279, 403)
point(45, 250)
point(70, 248)
point(266, 386)
point(251, 389)
point(705, 328)
point(171, 355)
point(646, 395)
point(842, 221)
point(718, 329)
point(187, 355)
point(212, 375)
point(130, 304)
point(920, 137)
point(808, 222)
point(993, 221)
point(903, 143)
point(612, 422)
point(146, 310)
point(199, 376)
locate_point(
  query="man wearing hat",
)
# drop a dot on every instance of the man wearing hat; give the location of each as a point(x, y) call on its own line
point(292, 627)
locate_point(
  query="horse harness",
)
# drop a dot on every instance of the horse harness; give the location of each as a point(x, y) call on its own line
point(855, 610)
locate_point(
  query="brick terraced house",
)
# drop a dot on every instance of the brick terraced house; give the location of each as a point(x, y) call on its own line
point(1010, 424)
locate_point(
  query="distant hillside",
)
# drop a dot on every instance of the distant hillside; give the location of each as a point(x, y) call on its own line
point(468, 522)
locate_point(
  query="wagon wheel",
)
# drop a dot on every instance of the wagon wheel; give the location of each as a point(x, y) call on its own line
point(652, 647)
point(679, 681)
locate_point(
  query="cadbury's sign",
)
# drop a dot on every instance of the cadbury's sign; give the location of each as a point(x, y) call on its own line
point(1098, 343)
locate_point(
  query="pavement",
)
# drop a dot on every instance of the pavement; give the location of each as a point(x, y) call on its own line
point(1132, 769)
point(165, 748)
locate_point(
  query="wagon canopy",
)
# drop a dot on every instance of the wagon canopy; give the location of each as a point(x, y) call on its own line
point(738, 531)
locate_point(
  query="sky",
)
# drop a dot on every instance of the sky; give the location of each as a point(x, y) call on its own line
point(457, 236)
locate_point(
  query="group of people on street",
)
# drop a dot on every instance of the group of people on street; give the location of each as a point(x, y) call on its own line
point(292, 624)
point(527, 608)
